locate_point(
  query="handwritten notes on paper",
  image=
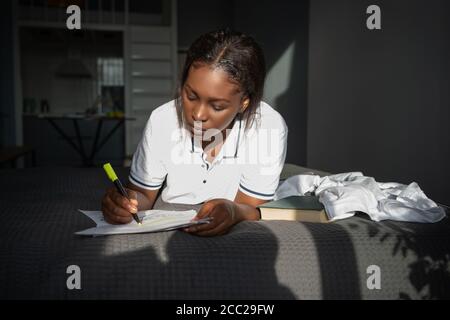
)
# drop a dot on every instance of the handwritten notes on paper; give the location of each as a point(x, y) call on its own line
point(152, 221)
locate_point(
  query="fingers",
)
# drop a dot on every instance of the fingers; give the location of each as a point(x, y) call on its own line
point(219, 229)
point(205, 210)
point(116, 208)
point(133, 197)
point(113, 219)
point(220, 224)
point(122, 202)
point(204, 226)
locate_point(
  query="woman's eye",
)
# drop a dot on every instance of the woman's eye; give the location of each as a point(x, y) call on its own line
point(217, 108)
point(191, 96)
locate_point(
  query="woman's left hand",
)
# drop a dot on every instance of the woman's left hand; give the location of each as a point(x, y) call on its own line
point(223, 213)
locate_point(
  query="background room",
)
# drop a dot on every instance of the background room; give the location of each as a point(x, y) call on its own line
point(354, 99)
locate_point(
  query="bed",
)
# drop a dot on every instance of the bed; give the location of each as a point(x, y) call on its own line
point(350, 259)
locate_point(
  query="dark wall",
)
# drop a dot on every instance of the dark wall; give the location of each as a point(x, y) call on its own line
point(277, 25)
point(199, 16)
point(378, 101)
point(7, 108)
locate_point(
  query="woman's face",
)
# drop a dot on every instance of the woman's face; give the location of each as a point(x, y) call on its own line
point(210, 100)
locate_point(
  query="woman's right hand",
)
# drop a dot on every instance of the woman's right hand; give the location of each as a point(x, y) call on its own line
point(116, 208)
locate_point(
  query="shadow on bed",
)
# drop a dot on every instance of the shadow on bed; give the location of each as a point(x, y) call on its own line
point(338, 266)
point(256, 260)
point(413, 258)
point(429, 247)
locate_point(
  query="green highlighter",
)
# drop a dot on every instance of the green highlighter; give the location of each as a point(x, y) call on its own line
point(112, 175)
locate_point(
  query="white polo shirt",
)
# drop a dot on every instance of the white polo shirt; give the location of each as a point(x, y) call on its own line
point(250, 160)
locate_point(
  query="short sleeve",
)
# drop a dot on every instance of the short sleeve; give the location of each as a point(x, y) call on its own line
point(147, 168)
point(260, 179)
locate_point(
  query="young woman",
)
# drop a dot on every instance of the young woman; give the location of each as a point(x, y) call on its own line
point(217, 144)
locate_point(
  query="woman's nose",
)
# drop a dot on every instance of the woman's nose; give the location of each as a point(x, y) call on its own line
point(200, 113)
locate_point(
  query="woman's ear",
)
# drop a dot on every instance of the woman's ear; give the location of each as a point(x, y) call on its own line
point(245, 104)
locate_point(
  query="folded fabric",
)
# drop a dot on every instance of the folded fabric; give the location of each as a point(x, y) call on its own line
point(344, 194)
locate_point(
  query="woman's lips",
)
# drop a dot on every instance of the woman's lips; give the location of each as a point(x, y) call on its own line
point(198, 129)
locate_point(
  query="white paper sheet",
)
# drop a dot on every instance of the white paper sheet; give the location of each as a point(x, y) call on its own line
point(152, 221)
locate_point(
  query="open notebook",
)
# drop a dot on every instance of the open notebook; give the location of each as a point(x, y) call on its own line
point(152, 221)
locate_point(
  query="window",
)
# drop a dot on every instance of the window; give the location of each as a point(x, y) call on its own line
point(110, 84)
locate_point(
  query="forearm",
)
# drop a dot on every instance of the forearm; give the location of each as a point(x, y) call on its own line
point(246, 212)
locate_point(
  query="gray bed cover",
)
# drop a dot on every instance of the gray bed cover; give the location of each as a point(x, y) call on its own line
point(256, 260)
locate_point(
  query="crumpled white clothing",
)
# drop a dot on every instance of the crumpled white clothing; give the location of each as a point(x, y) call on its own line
point(346, 193)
